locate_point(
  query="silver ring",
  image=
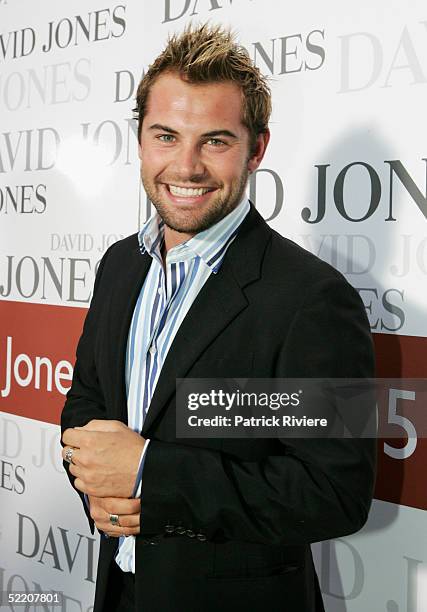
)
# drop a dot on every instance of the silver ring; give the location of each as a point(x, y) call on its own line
point(114, 520)
point(69, 455)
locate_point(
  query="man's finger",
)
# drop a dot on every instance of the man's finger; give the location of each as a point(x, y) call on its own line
point(81, 486)
point(72, 437)
point(75, 470)
point(84, 438)
point(66, 437)
point(127, 524)
point(125, 521)
point(116, 505)
point(69, 454)
point(119, 533)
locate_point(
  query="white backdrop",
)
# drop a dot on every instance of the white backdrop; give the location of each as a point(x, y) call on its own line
point(345, 176)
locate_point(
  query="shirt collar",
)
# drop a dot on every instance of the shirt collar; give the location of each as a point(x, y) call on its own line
point(151, 236)
point(210, 245)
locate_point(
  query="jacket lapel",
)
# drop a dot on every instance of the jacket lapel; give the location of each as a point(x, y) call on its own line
point(127, 290)
point(220, 300)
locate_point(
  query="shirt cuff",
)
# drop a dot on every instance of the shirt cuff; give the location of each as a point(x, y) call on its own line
point(138, 481)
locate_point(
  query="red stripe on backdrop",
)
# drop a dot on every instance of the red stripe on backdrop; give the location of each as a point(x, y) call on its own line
point(401, 480)
point(37, 352)
point(37, 349)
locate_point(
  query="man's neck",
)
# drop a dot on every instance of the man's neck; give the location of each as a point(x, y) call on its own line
point(174, 238)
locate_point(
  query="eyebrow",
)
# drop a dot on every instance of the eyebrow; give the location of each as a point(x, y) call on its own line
point(211, 134)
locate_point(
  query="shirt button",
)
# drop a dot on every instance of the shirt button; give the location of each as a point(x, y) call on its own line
point(159, 291)
point(152, 349)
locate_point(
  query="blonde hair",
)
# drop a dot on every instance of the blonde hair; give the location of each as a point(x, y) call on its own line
point(209, 54)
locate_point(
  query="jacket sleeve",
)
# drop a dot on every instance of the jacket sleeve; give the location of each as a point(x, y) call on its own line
point(85, 400)
point(314, 489)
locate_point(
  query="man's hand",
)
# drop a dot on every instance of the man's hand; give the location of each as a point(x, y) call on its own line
point(128, 511)
point(105, 458)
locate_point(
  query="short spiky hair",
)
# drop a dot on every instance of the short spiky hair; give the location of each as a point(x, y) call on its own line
point(209, 54)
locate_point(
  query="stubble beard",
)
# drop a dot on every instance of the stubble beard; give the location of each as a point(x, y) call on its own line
point(186, 222)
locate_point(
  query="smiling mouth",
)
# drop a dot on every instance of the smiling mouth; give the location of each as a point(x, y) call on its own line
point(188, 192)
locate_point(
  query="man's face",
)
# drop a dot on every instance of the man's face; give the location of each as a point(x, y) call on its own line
point(194, 152)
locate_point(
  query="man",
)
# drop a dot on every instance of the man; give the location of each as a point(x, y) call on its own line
point(208, 290)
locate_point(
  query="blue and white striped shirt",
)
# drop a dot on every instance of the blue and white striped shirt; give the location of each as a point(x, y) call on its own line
point(165, 298)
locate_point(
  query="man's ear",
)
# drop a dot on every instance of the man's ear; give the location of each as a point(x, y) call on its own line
point(139, 151)
point(261, 146)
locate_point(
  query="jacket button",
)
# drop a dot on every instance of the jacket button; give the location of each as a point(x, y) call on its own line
point(190, 533)
point(180, 530)
point(169, 528)
point(150, 542)
point(201, 537)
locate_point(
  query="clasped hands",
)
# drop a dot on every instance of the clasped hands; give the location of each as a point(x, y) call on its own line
point(104, 463)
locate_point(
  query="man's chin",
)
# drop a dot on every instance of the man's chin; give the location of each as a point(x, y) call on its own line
point(188, 221)
point(193, 227)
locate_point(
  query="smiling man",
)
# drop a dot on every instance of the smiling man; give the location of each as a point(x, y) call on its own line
point(207, 290)
point(193, 174)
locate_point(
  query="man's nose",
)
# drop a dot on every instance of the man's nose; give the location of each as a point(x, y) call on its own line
point(188, 162)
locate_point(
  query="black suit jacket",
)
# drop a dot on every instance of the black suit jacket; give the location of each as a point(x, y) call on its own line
point(226, 524)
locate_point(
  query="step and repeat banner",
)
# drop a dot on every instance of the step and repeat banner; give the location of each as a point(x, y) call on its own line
point(345, 176)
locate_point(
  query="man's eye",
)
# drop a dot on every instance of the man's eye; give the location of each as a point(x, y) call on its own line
point(166, 137)
point(216, 142)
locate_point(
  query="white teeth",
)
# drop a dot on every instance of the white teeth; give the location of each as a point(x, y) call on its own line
point(182, 191)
